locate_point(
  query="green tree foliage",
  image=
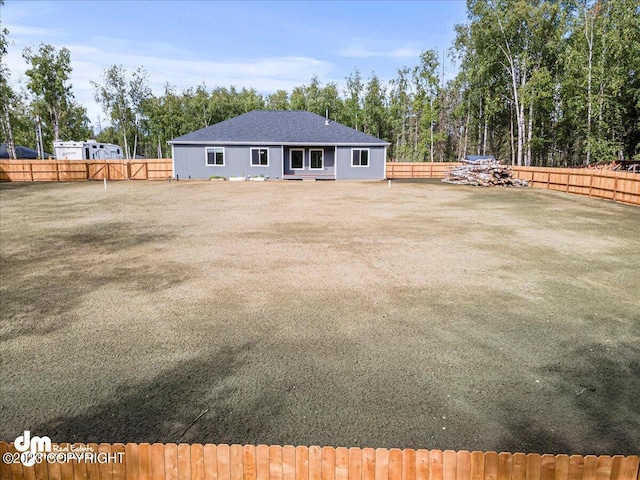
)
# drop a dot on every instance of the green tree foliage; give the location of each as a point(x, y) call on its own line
point(52, 97)
point(549, 83)
point(7, 97)
point(122, 97)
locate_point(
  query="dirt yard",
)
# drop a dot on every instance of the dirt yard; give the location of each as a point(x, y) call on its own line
point(347, 314)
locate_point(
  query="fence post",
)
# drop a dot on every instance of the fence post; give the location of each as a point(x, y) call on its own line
point(57, 171)
point(615, 189)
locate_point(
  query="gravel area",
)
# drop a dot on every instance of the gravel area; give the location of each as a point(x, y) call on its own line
point(423, 315)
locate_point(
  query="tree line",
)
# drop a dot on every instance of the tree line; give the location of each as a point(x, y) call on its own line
point(540, 82)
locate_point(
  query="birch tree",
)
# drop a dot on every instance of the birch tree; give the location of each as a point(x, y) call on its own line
point(48, 75)
point(6, 96)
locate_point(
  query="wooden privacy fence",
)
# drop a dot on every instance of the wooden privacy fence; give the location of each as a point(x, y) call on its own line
point(622, 187)
point(70, 170)
point(237, 462)
point(418, 169)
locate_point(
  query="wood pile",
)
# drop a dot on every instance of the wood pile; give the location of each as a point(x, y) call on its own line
point(484, 173)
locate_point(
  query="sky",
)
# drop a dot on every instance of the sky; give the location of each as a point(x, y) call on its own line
point(254, 44)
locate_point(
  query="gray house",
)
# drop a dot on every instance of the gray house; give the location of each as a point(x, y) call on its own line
point(279, 145)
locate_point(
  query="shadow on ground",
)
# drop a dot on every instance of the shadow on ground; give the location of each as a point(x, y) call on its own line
point(167, 407)
point(46, 288)
point(602, 384)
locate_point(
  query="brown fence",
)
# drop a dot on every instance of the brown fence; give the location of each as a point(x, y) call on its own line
point(70, 170)
point(248, 462)
point(622, 187)
point(418, 169)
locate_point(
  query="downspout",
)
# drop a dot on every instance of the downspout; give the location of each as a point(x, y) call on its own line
point(384, 164)
point(173, 161)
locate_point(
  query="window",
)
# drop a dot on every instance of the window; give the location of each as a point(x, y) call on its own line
point(297, 159)
point(316, 160)
point(259, 157)
point(215, 156)
point(359, 157)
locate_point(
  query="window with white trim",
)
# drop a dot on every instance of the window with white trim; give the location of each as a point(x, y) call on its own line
point(316, 159)
point(215, 156)
point(259, 157)
point(297, 158)
point(360, 157)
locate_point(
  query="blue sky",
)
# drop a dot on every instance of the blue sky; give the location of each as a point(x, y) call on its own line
point(260, 44)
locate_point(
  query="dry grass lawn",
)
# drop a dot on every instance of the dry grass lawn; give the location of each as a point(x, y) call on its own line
point(424, 315)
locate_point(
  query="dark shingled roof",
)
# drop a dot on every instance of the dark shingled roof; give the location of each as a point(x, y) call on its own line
point(21, 152)
point(279, 127)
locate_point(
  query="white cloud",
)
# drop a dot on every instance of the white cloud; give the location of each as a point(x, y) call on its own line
point(359, 51)
point(178, 68)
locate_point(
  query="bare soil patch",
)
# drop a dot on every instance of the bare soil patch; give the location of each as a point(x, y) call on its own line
point(425, 315)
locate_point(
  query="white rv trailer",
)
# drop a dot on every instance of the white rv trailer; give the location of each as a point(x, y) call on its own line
point(89, 150)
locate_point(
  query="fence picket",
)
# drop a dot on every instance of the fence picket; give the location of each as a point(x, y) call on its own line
point(106, 469)
point(562, 467)
point(119, 461)
point(409, 464)
point(435, 465)
point(184, 461)
point(302, 463)
point(547, 467)
point(210, 454)
point(342, 463)
point(463, 465)
point(576, 463)
point(197, 461)
point(170, 461)
point(288, 462)
point(275, 462)
point(328, 463)
point(505, 462)
point(491, 466)
point(235, 462)
point(262, 462)
point(224, 468)
point(132, 460)
point(249, 462)
point(315, 463)
point(355, 463)
point(519, 467)
point(382, 464)
point(449, 464)
point(422, 464)
point(368, 464)
point(477, 466)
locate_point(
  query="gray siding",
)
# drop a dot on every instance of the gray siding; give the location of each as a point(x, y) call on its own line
point(190, 160)
point(328, 161)
point(375, 170)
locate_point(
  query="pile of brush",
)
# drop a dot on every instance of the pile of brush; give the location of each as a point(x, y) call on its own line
point(484, 173)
